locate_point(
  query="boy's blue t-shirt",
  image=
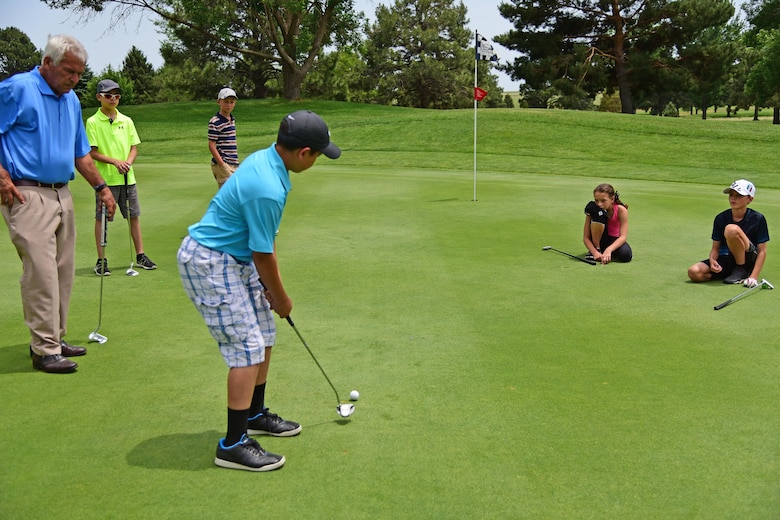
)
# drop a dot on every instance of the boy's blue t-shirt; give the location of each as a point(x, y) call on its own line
point(245, 213)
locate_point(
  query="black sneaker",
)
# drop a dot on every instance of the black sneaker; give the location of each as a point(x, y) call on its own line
point(737, 275)
point(267, 423)
point(101, 267)
point(143, 261)
point(246, 454)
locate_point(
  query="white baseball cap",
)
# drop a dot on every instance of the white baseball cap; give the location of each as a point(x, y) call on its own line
point(743, 187)
point(226, 93)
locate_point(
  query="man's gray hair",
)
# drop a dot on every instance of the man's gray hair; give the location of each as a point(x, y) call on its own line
point(60, 44)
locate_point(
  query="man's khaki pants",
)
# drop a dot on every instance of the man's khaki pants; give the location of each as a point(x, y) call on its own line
point(43, 230)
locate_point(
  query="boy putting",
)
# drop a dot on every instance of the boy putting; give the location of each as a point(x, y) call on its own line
point(228, 267)
point(739, 237)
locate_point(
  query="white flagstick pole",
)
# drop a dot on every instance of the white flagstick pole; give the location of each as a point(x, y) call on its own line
point(476, 61)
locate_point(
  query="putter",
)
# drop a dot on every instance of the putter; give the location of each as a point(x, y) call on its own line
point(130, 271)
point(94, 336)
point(763, 284)
point(586, 260)
point(343, 409)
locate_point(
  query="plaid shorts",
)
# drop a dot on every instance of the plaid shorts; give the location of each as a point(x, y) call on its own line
point(229, 296)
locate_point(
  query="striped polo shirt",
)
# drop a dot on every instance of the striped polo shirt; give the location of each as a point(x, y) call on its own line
point(223, 131)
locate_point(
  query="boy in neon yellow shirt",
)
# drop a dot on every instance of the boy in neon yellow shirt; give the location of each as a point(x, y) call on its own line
point(114, 141)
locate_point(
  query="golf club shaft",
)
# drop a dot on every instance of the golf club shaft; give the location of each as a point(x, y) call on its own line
point(590, 262)
point(103, 243)
point(741, 295)
point(290, 321)
point(130, 270)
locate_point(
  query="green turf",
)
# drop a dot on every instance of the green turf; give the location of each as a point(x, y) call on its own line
point(496, 380)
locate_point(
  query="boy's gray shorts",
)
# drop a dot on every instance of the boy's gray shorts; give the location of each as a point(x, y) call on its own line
point(119, 196)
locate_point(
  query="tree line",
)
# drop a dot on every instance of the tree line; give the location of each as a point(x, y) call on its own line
point(653, 55)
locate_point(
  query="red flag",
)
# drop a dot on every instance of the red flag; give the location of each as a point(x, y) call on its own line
point(479, 94)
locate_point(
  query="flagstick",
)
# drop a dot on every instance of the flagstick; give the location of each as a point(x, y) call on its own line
point(476, 62)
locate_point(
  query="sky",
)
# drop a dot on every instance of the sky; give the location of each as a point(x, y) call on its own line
point(107, 46)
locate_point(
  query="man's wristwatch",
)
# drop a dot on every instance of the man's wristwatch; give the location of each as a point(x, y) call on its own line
point(100, 187)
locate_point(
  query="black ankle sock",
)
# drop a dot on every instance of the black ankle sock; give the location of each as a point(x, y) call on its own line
point(237, 420)
point(258, 401)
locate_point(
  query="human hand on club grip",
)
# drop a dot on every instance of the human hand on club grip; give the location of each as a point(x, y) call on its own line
point(606, 257)
point(750, 282)
point(122, 166)
point(283, 308)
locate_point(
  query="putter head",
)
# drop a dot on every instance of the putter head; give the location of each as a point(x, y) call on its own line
point(95, 337)
point(131, 272)
point(766, 285)
point(546, 248)
point(345, 409)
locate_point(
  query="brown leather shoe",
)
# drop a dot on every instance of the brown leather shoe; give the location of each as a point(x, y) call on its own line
point(55, 364)
point(69, 350)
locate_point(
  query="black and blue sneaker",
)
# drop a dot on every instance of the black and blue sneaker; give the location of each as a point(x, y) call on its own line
point(267, 423)
point(248, 455)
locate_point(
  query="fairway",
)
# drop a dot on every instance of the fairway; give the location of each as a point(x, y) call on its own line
point(496, 380)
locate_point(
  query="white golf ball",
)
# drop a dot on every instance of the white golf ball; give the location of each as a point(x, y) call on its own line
point(354, 395)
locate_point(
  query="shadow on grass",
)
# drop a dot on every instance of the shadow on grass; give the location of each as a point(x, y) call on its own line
point(176, 451)
point(182, 451)
point(15, 358)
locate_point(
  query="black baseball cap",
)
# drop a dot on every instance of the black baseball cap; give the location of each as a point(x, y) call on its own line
point(303, 129)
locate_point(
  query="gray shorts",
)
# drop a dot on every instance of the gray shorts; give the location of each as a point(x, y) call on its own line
point(121, 201)
point(229, 296)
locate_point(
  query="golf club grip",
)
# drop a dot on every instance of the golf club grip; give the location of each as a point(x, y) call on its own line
point(724, 304)
point(104, 226)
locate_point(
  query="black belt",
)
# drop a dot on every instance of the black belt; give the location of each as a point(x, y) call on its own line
point(27, 182)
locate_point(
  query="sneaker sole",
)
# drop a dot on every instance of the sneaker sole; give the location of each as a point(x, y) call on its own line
point(147, 268)
point(234, 465)
point(288, 433)
point(108, 273)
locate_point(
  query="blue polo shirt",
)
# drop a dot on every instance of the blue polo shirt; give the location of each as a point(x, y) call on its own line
point(245, 213)
point(41, 134)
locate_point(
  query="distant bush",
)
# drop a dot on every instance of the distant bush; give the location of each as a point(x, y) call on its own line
point(671, 110)
point(610, 103)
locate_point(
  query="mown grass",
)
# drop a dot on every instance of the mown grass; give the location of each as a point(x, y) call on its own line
point(548, 142)
point(496, 380)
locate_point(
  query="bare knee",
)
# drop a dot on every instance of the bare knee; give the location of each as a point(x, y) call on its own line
point(732, 231)
point(699, 272)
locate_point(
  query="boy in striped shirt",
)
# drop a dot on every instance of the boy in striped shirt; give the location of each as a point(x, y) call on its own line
point(222, 138)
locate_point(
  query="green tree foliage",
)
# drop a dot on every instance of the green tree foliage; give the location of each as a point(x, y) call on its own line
point(137, 69)
point(420, 54)
point(340, 75)
point(572, 48)
point(250, 76)
point(708, 61)
point(17, 52)
point(763, 82)
point(288, 33)
point(185, 78)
